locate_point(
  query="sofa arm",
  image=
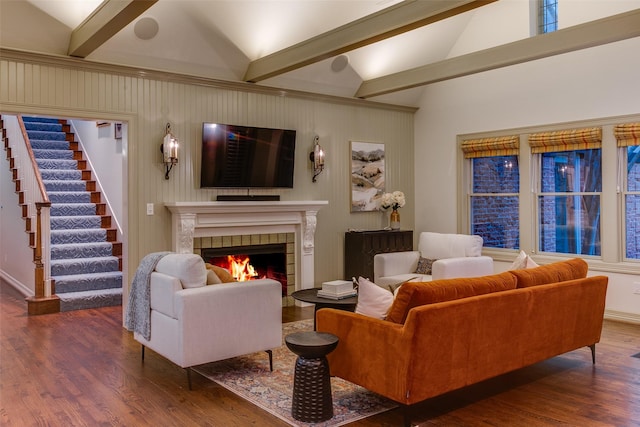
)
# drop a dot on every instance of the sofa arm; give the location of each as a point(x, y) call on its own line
point(451, 268)
point(371, 352)
point(163, 288)
point(394, 263)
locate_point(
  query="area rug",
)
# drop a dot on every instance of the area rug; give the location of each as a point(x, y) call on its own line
point(249, 377)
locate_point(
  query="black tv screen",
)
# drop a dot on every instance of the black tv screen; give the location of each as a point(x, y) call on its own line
point(246, 157)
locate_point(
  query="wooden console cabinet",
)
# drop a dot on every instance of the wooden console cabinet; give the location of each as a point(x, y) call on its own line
point(361, 246)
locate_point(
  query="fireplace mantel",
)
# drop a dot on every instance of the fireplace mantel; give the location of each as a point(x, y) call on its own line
point(204, 219)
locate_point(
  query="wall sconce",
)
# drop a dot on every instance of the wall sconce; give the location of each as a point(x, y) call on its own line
point(317, 158)
point(169, 150)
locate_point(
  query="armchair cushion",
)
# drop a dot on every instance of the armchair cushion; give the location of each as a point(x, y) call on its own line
point(439, 245)
point(188, 268)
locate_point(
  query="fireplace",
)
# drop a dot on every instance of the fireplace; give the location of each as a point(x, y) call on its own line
point(201, 225)
point(252, 262)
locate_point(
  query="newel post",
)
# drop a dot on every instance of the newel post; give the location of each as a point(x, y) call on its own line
point(41, 303)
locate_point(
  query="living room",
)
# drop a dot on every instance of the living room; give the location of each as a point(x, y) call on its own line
point(593, 85)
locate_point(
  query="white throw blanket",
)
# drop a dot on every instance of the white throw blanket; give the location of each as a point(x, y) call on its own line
point(138, 315)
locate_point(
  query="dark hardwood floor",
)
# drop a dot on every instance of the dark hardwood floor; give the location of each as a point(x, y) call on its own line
point(82, 368)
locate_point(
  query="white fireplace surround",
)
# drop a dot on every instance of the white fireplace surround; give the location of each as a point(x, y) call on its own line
point(211, 219)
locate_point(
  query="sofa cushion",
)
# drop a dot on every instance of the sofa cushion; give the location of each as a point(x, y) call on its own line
point(414, 294)
point(188, 268)
point(560, 271)
point(373, 300)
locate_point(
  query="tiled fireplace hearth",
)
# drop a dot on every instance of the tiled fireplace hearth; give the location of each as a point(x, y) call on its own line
point(200, 225)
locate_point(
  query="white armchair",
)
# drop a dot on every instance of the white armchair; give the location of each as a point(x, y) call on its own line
point(456, 255)
point(192, 323)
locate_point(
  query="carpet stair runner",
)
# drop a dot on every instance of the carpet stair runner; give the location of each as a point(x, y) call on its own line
point(85, 259)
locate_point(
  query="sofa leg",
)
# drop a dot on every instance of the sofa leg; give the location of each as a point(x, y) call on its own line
point(143, 353)
point(270, 353)
point(593, 353)
point(406, 422)
point(188, 377)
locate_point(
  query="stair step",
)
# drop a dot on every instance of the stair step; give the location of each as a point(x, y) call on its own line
point(71, 209)
point(82, 250)
point(37, 119)
point(66, 267)
point(57, 164)
point(61, 237)
point(77, 222)
point(61, 174)
point(43, 126)
point(40, 153)
point(50, 136)
point(46, 144)
point(66, 185)
point(90, 299)
point(89, 281)
point(69, 196)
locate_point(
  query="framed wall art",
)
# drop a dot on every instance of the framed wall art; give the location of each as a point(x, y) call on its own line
point(367, 175)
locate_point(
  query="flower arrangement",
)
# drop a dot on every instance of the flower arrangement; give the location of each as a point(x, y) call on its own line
point(393, 200)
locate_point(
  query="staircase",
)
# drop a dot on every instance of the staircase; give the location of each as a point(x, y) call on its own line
point(86, 260)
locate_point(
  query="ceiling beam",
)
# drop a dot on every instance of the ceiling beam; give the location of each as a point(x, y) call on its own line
point(103, 23)
point(606, 30)
point(392, 21)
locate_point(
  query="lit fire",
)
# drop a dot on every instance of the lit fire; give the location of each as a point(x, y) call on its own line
point(240, 268)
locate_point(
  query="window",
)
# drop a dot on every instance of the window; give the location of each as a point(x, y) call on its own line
point(569, 190)
point(628, 137)
point(494, 195)
point(547, 16)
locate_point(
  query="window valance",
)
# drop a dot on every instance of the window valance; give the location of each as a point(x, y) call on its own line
point(565, 140)
point(491, 147)
point(627, 134)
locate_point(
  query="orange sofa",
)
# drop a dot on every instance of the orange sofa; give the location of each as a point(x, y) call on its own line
point(446, 334)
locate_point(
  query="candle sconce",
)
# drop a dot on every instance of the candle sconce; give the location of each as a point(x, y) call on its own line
point(169, 150)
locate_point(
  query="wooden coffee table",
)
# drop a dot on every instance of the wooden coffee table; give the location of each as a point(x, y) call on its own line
point(311, 296)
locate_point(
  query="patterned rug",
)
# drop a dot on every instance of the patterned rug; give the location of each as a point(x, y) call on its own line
point(249, 377)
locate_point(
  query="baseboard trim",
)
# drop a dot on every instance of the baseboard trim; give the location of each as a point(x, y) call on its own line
point(621, 316)
point(15, 283)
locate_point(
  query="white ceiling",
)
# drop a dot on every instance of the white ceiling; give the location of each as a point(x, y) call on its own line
point(219, 39)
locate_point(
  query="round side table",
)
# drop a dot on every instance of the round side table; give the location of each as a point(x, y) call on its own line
point(312, 401)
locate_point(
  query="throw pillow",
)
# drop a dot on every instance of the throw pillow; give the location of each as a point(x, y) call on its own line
point(212, 278)
point(222, 273)
point(531, 263)
point(373, 300)
point(424, 265)
point(520, 261)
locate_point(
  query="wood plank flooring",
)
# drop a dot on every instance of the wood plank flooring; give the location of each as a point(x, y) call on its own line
point(82, 368)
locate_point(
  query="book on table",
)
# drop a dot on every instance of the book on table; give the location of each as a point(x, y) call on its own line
point(338, 296)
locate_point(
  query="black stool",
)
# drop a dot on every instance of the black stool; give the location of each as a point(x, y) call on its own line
point(312, 401)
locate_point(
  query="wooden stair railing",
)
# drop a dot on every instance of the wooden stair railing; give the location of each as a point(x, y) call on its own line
point(44, 300)
point(35, 207)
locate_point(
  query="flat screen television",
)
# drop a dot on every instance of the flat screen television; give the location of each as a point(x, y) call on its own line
point(246, 157)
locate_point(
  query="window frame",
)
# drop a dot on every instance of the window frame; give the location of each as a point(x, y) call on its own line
point(612, 256)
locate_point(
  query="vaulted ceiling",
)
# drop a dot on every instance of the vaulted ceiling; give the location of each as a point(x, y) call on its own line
point(384, 50)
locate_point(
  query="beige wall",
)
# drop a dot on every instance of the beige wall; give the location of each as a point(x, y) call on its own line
point(147, 101)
